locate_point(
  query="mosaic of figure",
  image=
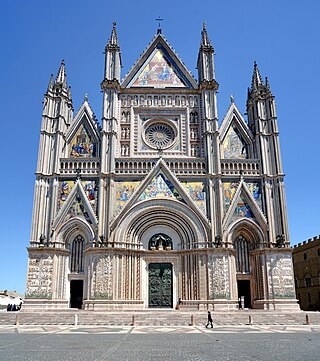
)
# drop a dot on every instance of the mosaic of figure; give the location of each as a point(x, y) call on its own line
point(89, 190)
point(65, 189)
point(158, 72)
point(197, 194)
point(234, 147)
point(229, 192)
point(82, 145)
point(242, 209)
point(77, 209)
point(123, 192)
point(160, 187)
point(255, 190)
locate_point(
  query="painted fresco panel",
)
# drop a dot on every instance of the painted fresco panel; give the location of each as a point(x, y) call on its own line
point(234, 147)
point(197, 194)
point(82, 144)
point(158, 73)
point(123, 192)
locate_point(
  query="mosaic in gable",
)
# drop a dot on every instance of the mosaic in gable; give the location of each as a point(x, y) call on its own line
point(158, 73)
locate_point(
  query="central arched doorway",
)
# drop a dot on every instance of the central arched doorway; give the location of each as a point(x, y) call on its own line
point(160, 285)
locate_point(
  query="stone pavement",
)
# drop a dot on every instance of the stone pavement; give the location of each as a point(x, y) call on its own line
point(113, 343)
point(60, 329)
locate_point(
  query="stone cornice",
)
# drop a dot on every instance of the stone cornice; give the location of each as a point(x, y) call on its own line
point(48, 250)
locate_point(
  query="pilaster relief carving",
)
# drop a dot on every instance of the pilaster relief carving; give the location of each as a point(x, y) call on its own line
point(102, 277)
point(218, 272)
point(39, 279)
point(280, 276)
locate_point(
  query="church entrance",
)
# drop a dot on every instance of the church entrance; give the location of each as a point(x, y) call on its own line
point(76, 293)
point(160, 285)
point(244, 292)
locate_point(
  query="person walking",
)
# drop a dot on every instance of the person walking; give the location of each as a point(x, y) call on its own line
point(209, 320)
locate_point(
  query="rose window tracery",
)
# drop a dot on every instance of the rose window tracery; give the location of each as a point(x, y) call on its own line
point(159, 135)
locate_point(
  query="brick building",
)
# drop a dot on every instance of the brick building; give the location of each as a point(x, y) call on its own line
point(306, 265)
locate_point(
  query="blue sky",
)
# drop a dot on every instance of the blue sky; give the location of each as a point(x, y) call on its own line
point(282, 36)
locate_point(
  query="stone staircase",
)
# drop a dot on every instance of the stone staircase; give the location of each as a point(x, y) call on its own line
point(157, 318)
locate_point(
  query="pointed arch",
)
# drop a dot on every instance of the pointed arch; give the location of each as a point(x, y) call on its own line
point(247, 228)
point(69, 230)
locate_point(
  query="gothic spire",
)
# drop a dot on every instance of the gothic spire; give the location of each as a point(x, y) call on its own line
point(113, 41)
point(205, 42)
point(62, 77)
point(256, 77)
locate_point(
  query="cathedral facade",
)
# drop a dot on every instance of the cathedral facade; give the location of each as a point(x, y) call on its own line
point(159, 206)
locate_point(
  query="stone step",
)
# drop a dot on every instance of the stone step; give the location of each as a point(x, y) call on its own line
point(156, 318)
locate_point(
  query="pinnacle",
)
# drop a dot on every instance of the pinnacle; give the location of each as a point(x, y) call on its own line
point(113, 41)
point(205, 42)
point(51, 82)
point(62, 77)
point(256, 77)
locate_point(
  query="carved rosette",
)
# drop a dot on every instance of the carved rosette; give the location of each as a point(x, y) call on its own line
point(102, 278)
point(280, 276)
point(39, 281)
point(218, 270)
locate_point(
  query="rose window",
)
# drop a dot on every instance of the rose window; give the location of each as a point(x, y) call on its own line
point(159, 135)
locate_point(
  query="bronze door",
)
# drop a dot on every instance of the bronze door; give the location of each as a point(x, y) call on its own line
point(160, 285)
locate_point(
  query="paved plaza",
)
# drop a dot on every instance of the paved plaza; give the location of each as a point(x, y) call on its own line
point(93, 343)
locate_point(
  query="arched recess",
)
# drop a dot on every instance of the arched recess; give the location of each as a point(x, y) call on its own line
point(165, 216)
point(249, 229)
point(245, 237)
point(73, 227)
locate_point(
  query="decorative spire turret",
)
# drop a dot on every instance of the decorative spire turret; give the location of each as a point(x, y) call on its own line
point(256, 78)
point(113, 57)
point(113, 41)
point(205, 42)
point(205, 63)
point(61, 76)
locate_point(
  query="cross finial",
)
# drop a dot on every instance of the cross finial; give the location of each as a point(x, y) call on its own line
point(159, 19)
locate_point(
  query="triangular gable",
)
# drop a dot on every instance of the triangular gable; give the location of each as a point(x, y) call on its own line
point(235, 135)
point(83, 136)
point(160, 183)
point(77, 205)
point(159, 67)
point(243, 205)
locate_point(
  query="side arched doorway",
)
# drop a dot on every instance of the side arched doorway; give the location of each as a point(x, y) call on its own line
point(247, 238)
point(243, 269)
